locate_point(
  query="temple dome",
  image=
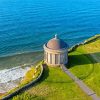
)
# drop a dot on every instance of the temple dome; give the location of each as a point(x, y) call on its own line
point(56, 44)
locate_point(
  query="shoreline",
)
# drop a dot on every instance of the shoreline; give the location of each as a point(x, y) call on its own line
point(91, 39)
point(23, 73)
point(21, 53)
point(18, 60)
point(10, 78)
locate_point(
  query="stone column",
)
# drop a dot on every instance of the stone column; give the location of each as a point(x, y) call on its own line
point(49, 58)
point(58, 58)
point(53, 59)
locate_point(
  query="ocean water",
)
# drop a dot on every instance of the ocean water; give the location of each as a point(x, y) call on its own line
point(25, 25)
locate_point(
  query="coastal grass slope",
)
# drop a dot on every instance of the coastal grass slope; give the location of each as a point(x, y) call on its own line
point(54, 85)
point(84, 62)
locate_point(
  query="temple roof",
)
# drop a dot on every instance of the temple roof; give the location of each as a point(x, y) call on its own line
point(56, 43)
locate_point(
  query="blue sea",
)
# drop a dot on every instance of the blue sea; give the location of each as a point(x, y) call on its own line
point(25, 25)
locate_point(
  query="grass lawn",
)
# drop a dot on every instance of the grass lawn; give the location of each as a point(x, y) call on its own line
point(80, 65)
point(84, 62)
point(54, 85)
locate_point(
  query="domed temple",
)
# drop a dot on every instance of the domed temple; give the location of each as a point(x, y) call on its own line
point(55, 52)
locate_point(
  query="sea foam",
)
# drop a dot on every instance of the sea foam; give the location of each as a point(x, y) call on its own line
point(9, 77)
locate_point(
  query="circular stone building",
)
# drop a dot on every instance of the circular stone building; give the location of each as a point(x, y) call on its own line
point(56, 52)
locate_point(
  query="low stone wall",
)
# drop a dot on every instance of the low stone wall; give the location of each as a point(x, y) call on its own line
point(24, 87)
point(85, 42)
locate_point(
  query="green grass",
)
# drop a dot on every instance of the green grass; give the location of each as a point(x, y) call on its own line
point(84, 62)
point(32, 74)
point(80, 65)
point(54, 85)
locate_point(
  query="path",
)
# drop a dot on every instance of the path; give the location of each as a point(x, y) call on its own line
point(81, 84)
